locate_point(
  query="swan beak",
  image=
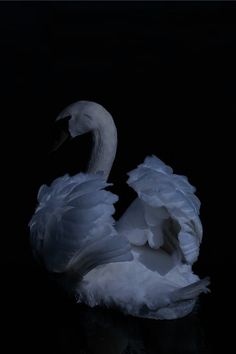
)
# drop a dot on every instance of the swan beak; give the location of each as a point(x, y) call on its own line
point(62, 135)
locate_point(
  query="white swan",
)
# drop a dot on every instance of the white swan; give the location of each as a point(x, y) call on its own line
point(143, 263)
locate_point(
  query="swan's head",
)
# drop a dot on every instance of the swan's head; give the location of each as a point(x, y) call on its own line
point(80, 117)
point(84, 116)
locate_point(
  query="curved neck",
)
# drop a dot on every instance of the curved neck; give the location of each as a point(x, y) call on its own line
point(104, 149)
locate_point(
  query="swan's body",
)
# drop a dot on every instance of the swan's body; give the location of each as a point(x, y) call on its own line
point(143, 263)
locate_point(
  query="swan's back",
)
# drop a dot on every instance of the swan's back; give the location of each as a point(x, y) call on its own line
point(72, 228)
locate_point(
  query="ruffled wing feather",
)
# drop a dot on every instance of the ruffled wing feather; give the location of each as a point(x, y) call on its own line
point(72, 228)
point(166, 212)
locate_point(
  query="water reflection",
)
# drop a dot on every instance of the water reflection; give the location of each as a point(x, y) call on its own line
point(108, 332)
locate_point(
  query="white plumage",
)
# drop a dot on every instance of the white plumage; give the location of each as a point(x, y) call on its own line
point(143, 263)
point(72, 228)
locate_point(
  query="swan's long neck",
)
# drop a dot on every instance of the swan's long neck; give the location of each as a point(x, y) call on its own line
point(104, 149)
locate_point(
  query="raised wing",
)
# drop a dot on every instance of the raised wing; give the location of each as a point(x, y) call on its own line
point(72, 228)
point(165, 214)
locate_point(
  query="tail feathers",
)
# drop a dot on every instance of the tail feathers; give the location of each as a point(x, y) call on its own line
point(107, 250)
point(191, 291)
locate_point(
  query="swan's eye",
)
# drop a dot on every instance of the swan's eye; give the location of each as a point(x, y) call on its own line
point(89, 118)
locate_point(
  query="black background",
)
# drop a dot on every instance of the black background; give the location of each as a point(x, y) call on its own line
point(166, 73)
